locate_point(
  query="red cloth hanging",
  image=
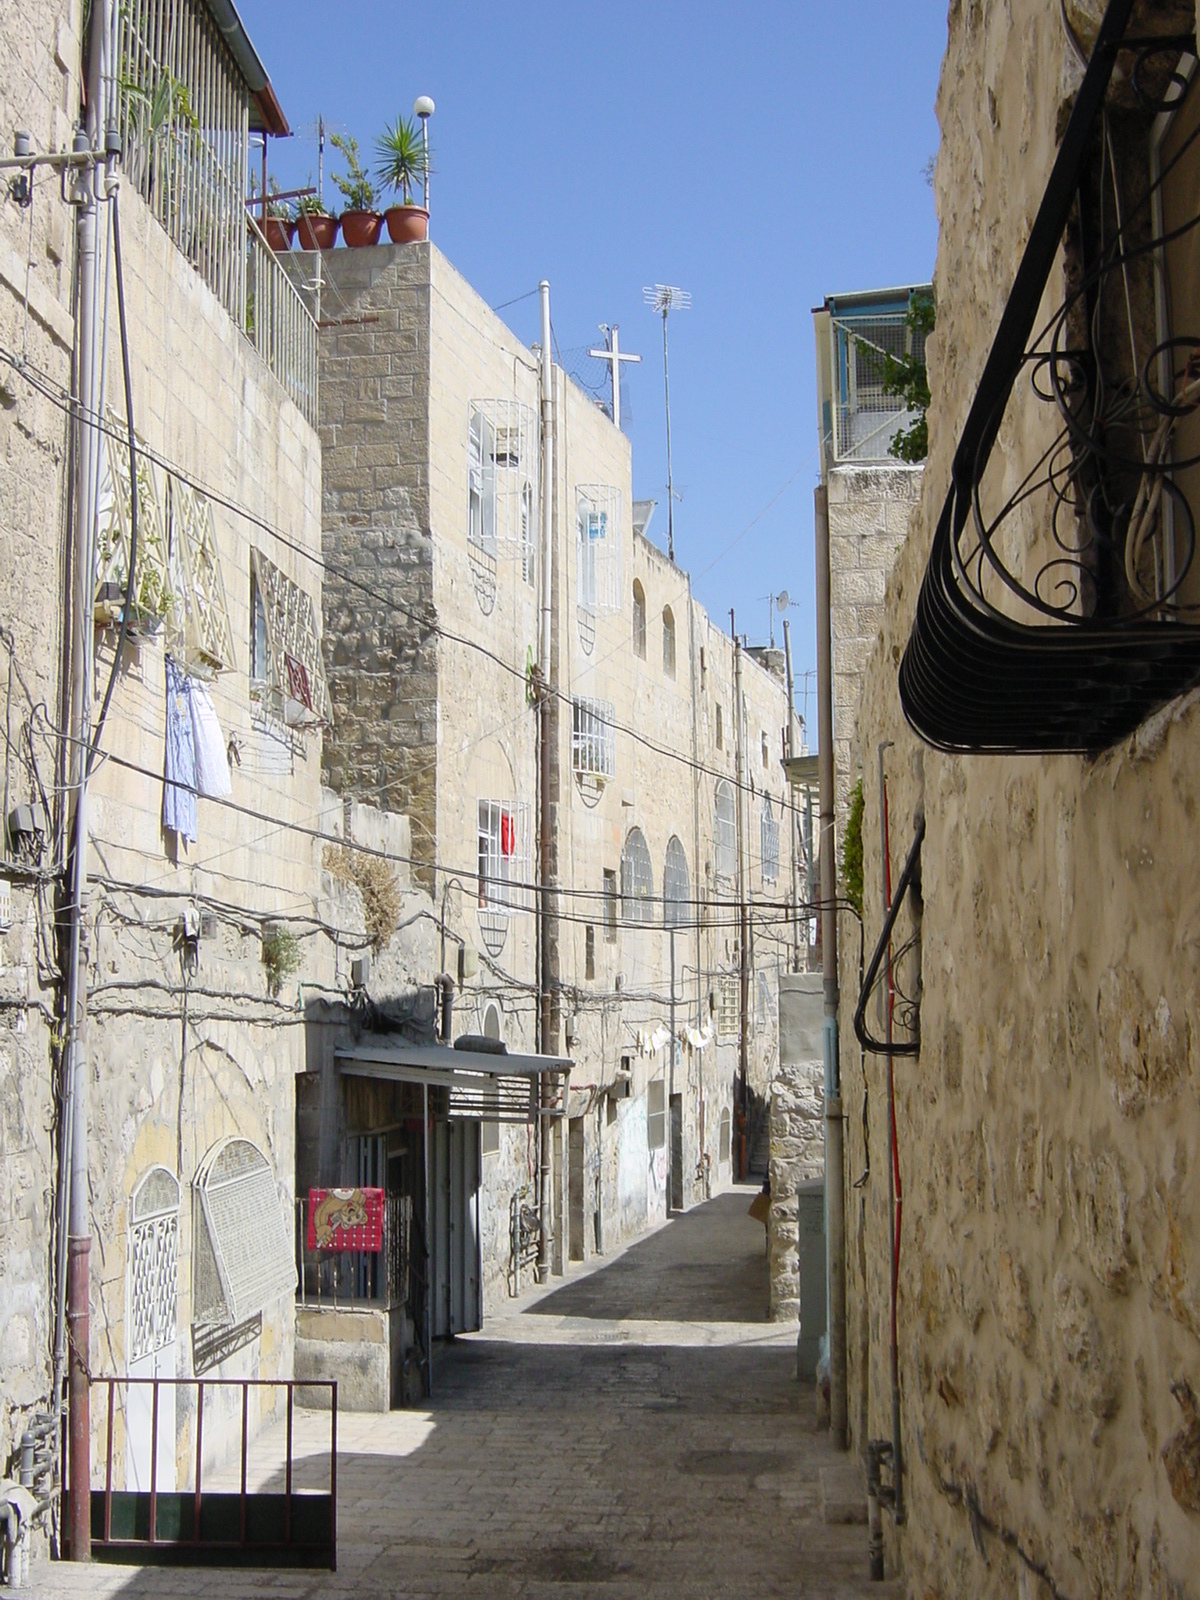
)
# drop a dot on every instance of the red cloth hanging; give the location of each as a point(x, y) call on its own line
point(508, 834)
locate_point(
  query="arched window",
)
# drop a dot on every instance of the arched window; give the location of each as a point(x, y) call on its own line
point(491, 1022)
point(668, 642)
point(676, 889)
point(637, 879)
point(770, 842)
point(724, 831)
point(242, 1255)
point(639, 621)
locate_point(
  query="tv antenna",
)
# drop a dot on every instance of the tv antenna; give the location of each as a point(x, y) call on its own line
point(613, 355)
point(777, 602)
point(664, 299)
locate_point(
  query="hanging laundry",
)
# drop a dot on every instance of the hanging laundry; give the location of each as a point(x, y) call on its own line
point(508, 834)
point(179, 775)
point(212, 759)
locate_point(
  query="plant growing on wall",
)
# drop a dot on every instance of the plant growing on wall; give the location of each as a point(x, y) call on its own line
point(907, 378)
point(280, 955)
point(375, 882)
point(852, 850)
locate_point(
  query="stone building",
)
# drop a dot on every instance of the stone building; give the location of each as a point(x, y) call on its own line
point(870, 492)
point(1039, 700)
point(432, 519)
point(202, 938)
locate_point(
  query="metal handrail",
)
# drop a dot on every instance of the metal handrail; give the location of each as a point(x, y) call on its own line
point(279, 324)
point(202, 1386)
point(908, 1047)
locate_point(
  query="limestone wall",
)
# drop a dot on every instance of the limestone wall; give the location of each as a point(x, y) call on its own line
point(1048, 1132)
point(797, 1154)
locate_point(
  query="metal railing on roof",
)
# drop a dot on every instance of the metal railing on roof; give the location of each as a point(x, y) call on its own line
point(185, 129)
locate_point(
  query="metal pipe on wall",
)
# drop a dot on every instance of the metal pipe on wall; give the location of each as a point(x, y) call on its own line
point(835, 1199)
point(743, 920)
point(794, 826)
point(895, 1201)
point(548, 783)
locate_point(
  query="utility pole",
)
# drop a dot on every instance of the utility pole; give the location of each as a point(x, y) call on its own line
point(835, 1200)
point(74, 1340)
point(548, 784)
point(671, 1088)
point(743, 929)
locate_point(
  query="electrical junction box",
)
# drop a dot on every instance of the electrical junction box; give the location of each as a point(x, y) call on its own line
point(468, 963)
point(360, 971)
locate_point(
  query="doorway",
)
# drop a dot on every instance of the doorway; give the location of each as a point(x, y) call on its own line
point(575, 1143)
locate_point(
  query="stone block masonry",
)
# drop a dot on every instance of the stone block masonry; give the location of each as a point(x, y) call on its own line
point(380, 647)
point(797, 1155)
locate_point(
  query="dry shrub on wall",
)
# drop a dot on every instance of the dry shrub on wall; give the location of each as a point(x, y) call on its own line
point(375, 882)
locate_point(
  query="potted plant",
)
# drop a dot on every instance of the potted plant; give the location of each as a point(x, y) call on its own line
point(277, 223)
point(317, 229)
point(361, 223)
point(402, 159)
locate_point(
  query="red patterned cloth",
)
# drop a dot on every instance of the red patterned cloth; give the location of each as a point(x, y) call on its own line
point(345, 1219)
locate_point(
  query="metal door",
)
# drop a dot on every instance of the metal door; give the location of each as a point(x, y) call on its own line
point(151, 1296)
point(457, 1301)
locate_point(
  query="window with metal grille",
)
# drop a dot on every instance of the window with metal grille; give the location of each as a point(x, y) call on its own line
point(593, 737)
point(637, 879)
point(676, 889)
point(598, 548)
point(610, 906)
point(528, 546)
point(287, 669)
point(152, 1274)
point(481, 483)
point(503, 855)
point(770, 842)
point(724, 831)
point(242, 1257)
point(639, 621)
point(727, 1005)
point(656, 1114)
point(668, 626)
point(726, 1141)
point(766, 751)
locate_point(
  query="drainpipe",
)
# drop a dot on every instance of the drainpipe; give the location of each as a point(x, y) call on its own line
point(72, 1349)
point(548, 784)
point(695, 877)
point(743, 928)
point(835, 1200)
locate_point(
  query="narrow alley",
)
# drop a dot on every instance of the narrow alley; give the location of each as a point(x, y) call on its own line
point(637, 1430)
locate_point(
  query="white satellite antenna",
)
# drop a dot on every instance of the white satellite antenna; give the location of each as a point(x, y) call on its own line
point(776, 602)
point(664, 299)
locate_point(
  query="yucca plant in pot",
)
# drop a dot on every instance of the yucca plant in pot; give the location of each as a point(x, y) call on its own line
point(317, 230)
point(402, 159)
point(361, 223)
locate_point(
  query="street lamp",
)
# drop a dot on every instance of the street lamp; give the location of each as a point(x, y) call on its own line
point(424, 108)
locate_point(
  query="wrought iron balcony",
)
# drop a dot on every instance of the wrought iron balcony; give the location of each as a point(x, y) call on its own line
point(1060, 606)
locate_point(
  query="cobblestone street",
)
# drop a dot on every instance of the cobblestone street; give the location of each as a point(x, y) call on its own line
point(634, 1431)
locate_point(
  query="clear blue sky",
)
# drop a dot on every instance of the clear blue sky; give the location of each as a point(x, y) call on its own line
point(760, 155)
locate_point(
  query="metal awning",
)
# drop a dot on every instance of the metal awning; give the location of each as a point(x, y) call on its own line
point(496, 1087)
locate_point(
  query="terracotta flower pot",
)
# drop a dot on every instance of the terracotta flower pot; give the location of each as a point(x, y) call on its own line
point(406, 224)
point(361, 228)
point(317, 230)
point(278, 232)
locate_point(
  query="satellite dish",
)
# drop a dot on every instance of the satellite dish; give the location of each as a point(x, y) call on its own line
point(783, 600)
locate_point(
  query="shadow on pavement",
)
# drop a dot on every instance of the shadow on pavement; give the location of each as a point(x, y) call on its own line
point(706, 1265)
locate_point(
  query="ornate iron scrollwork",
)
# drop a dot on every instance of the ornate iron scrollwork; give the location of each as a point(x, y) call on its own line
point(1056, 612)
